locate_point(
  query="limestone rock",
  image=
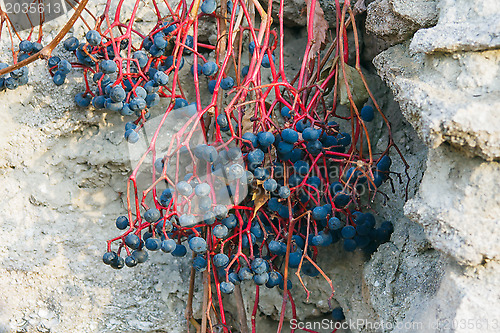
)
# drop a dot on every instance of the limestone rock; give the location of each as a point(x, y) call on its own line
point(448, 98)
point(457, 204)
point(382, 21)
point(422, 12)
point(463, 26)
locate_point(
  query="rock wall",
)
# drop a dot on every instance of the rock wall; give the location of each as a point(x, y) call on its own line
point(63, 171)
point(447, 80)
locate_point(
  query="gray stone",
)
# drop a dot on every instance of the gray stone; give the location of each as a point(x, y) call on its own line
point(422, 12)
point(463, 26)
point(457, 204)
point(382, 21)
point(448, 98)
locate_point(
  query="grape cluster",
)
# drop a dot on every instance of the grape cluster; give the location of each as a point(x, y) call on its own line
point(19, 77)
point(258, 176)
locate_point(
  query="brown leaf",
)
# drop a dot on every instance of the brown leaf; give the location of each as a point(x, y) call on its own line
point(246, 122)
point(320, 27)
point(260, 197)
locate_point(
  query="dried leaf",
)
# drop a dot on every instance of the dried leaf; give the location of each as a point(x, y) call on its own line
point(260, 197)
point(356, 86)
point(246, 121)
point(320, 27)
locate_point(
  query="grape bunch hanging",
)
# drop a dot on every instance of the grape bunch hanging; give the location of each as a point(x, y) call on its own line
point(259, 176)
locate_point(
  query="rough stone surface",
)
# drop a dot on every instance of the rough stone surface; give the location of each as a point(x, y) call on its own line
point(422, 12)
point(457, 204)
point(463, 26)
point(439, 93)
point(382, 21)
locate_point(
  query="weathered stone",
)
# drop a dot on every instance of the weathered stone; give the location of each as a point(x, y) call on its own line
point(388, 25)
point(457, 204)
point(448, 98)
point(422, 12)
point(474, 27)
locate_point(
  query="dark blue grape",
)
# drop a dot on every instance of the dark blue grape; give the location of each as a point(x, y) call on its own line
point(338, 314)
point(285, 112)
point(26, 46)
point(335, 224)
point(140, 256)
point(284, 148)
point(220, 231)
point(245, 274)
point(255, 158)
point(118, 263)
point(184, 188)
point(244, 71)
point(93, 37)
point(54, 61)
point(168, 245)
point(348, 232)
point(261, 279)
point(261, 173)
point(161, 78)
point(314, 147)
point(130, 261)
point(202, 190)
point(99, 102)
point(251, 47)
point(199, 263)
point(153, 244)
point(152, 215)
point(259, 266)
point(302, 125)
point(275, 278)
point(71, 44)
point(341, 200)
point(108, 66)
point(227, 83)
point(227, 287)
point(233, 278)
point(220, 211)
point(159, 40)
point(384, 163)
point(117, 94)
point(133, 241)
point(289, 135)
point(270, 185)
point(344, 139)
point(266, 62)
point(198, 245)
point(152, 100)
point(64, 66)
point(83, 101)
point(222, 120)
point(220, 260)
point(294, 259)
point(319, 213)
point(301, 167)
point(211, 86)
point(122, 223)
point(367, 113)
point(311, 134)
point(210, 68)
point(289, 285)
point(180, 251)
point(230, 222)
point(109, 257)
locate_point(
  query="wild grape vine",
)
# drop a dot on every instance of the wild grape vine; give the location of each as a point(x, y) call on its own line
point(257, 176)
